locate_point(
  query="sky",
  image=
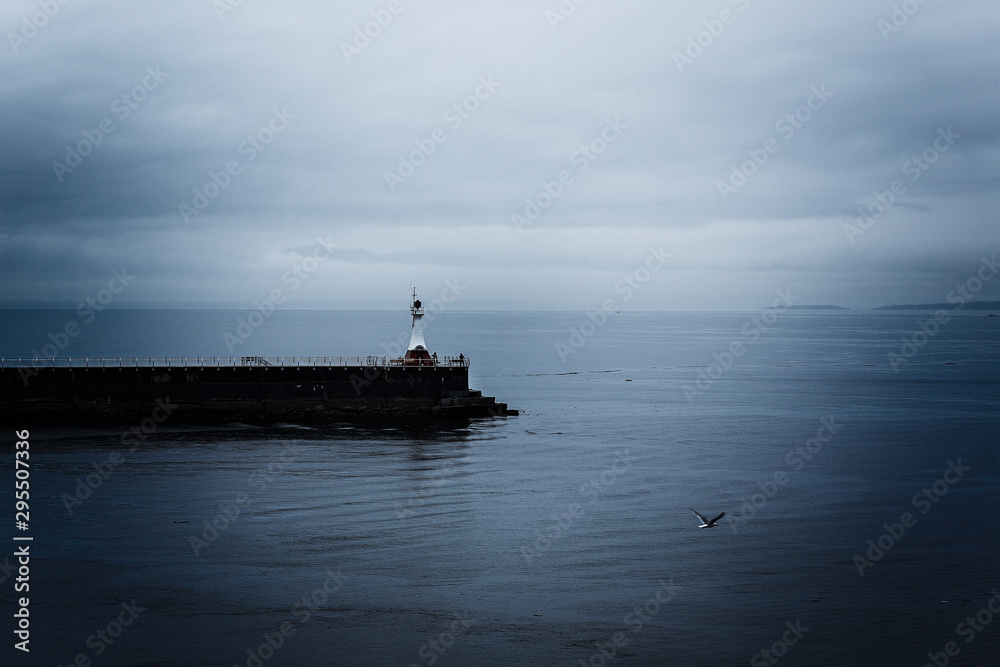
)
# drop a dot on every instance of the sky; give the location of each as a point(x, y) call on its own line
point(512, 155)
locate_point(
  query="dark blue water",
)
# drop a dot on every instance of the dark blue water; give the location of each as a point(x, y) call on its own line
point(546, 538)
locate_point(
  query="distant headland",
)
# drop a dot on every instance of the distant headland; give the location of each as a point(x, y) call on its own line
point(970, 305)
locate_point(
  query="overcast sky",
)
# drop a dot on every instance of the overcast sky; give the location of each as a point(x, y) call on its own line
point(410, 150)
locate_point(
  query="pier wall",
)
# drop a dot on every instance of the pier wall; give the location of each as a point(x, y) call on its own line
point(49, 395)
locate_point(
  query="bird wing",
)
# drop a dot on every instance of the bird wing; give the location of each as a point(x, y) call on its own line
point(700, 516)
point(716, 518)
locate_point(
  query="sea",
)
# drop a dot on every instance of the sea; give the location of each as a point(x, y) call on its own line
point(854, 454)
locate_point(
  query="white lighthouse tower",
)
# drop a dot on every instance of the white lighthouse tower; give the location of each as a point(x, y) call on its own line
point(416, 352)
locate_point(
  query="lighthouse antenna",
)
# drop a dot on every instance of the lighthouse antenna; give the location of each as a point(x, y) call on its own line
point(416, 308)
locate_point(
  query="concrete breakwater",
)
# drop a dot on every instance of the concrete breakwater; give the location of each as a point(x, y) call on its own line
point(251, 389)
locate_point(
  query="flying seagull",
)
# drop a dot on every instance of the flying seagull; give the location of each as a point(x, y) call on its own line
point(705, 523)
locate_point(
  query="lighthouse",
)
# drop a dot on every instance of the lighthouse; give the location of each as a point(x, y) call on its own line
point(416, 352)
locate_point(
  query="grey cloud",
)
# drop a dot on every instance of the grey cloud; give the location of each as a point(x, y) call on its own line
point(325, 173)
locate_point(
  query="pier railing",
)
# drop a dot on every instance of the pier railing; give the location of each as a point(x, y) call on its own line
point(229, 362)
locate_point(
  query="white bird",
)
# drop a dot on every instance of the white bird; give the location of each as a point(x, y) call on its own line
point(705, 523)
